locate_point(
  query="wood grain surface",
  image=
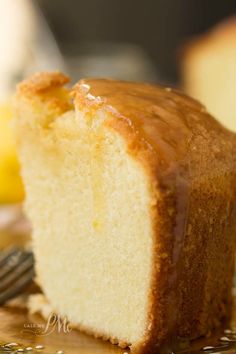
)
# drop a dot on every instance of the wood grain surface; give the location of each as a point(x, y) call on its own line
point(14, 327)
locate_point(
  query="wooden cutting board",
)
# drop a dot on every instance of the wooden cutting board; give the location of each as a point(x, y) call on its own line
point(18, 326)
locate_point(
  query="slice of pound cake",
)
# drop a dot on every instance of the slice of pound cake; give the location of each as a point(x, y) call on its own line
point(131, 194)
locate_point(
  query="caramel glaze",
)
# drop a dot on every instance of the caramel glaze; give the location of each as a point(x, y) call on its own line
point(164, 117)
point(191, 160)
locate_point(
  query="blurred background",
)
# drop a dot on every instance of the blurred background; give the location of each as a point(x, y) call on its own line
point(157, 27)
point(190, 44)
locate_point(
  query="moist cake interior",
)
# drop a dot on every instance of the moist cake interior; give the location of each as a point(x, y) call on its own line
point(90, 204)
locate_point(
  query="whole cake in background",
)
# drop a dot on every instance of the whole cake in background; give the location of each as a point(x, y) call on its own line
point(209, 71)
point(130, 189)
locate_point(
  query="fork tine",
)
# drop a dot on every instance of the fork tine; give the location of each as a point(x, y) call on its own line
point(13, 263)
point(6, 255)
point(17, 287)
point(16, 272)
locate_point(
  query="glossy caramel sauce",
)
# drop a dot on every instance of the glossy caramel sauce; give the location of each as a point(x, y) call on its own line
point(165, 118)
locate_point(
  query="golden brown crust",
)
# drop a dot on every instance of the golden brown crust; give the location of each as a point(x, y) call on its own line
point(45, 89)
point(41, 82)
point(191, 162)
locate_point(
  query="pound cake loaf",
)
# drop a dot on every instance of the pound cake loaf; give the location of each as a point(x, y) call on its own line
point(131, 194)
point(209, 71)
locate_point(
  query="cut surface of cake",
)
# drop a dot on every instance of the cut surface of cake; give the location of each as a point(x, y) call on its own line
point(209, 71)
point(130, 189)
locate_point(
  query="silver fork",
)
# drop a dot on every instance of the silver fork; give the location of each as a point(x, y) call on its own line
point(16, 272)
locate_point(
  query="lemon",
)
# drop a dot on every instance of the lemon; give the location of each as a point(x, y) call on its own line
point(11, 188)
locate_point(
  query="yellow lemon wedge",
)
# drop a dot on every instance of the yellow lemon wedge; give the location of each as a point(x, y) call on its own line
point(11, 188)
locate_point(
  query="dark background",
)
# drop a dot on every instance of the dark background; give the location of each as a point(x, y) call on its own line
point(159, 26)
